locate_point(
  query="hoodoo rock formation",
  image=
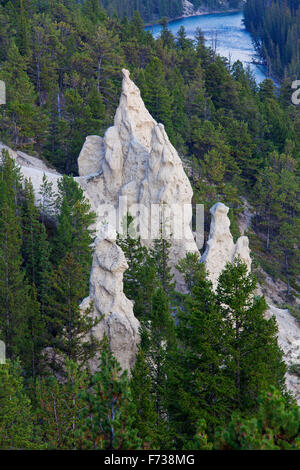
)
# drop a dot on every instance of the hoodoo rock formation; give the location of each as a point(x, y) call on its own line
point(135, 166)
point(109, 301)
point(221, 248)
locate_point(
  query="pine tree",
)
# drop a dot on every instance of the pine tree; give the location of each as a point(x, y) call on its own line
point(47, 200)
point(199, 389)
point(160, 253)
point(69, 325)
point(141, 391)
point(254, 360)
point(16, 415)
point(14, 298)
point(74, 234)
point(109, 411)
point(36, 248)
point(58, 406)
point(140, 279)
point(191, 269)
point(22, 119)
point(275, 426)
point(156, 95)
point(158, 343)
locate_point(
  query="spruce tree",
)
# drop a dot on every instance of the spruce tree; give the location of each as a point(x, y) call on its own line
point(143, 398)
point(14, 291)
point(47, 200)
point(16, 414)
point(69, 325)
point(36, 247)
point(57, 407)
point(158, 343)
point(140, 279)
point(109, 411)
point(254, 361)
point(198, 386)
point(74, 234)
point(275, 426)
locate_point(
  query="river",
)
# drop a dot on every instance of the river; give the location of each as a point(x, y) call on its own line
point(233, 41)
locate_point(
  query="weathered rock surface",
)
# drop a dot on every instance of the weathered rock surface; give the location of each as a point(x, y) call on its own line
point(34, 169)
point(136, 159)
point(289, 341)
point(109, 302)
point(221, 248)
point(135, 162)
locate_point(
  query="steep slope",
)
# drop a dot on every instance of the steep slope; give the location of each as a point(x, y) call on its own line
point(135, 161)
point(220, 250)
point(135, 169)
point(220, 246)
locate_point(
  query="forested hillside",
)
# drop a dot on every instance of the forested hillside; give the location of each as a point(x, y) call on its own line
point(151, 10)
point(275, 26)
point(239, 139)
point(215, 377)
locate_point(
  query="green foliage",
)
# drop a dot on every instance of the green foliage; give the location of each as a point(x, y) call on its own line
point(109, 411)
point(251, 338)
point(227, 355)
point(140, 278)
point(58, 406)
point(199, 387)
point(14, 290)
point(141, 390)
point(73, 235)
point(16, 416)
point(275, 27)
point(68, 324)
point(276, 426)
point(204, 356)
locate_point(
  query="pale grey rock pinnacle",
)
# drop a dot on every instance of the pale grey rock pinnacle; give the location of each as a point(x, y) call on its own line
point(221, 248)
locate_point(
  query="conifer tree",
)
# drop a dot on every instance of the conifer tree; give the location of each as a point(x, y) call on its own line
point(140, 279)
point(142, 396)
point(275, 426)
point(58, 406)
point(36, 248)
point(69, 325)
point(14, 298)
point(156, 95)
point(47, 199)
point(109, 411)
point(16, 414)
point(74, 234)
point(158, 343)
point(254, 361)
point(198, 386)
point(160, 253)
point(21, 110)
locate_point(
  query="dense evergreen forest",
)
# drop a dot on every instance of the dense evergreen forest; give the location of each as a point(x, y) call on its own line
point(212, 379)
point(275, 26)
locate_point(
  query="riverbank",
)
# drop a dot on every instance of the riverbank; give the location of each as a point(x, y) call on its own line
point(226, 32)
point(200, 12)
